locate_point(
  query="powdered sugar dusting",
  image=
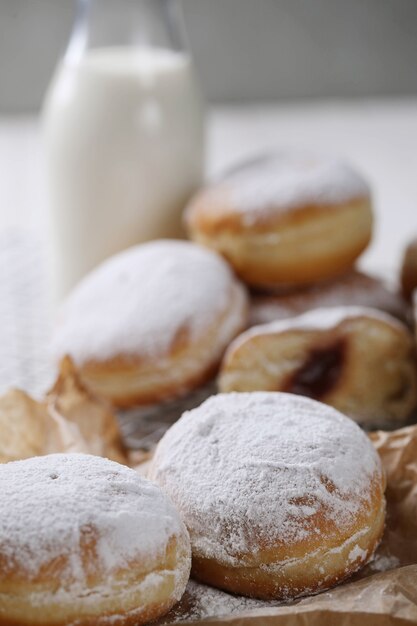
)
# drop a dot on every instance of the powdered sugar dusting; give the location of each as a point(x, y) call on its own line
point(353, 288)
point(323, 318)
point(357, 553)
point(384, 562)
point(139, 301)
point(202, 602)
point(242, 467)
point(289, 180)
point(51, 505)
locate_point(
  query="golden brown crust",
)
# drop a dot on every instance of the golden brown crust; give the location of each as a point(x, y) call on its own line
point(134, 381)
point(317, 565)
point(294, 247)
point(125, 601)
point(129, 384)
point(361, 365)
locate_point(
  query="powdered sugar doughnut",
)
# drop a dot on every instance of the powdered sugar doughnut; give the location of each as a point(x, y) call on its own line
point(353, 288)
point(282, 495)
point(84, 540)
point(357, 359)
point(152, 323)
point(292, 218)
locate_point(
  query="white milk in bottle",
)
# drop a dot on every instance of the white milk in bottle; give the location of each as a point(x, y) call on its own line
point(123, 129)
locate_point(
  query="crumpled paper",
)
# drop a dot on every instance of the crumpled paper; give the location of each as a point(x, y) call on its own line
point(69, 419)
point(384, 593)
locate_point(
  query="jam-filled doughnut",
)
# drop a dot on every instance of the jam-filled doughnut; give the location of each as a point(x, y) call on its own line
point(283, 496)
point(152, 323)
point(359, 360)
point(353, 288)
point(86, 541)
point(289, 219)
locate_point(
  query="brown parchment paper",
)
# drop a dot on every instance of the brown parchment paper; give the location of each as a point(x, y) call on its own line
point(384, 593)
point(69, 419)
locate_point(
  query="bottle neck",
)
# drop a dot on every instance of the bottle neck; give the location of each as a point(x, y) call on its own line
point(126, 23)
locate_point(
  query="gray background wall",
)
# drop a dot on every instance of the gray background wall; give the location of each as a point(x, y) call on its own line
point(246, 50)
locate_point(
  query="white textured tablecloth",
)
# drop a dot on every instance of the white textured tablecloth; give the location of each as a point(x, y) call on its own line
point(380, 137)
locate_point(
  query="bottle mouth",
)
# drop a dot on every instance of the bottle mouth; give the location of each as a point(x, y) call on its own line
point(176, 24)
point(79, 35)
point(135, 23)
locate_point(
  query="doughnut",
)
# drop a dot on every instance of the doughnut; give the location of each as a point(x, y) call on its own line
point(353, 288)
point(86, 541)
point(289, 219)
point(359, 360)
point(409, 269)
point(282, 496)
point(151, 323)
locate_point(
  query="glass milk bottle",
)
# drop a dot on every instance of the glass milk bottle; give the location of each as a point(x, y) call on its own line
point(124, 133)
